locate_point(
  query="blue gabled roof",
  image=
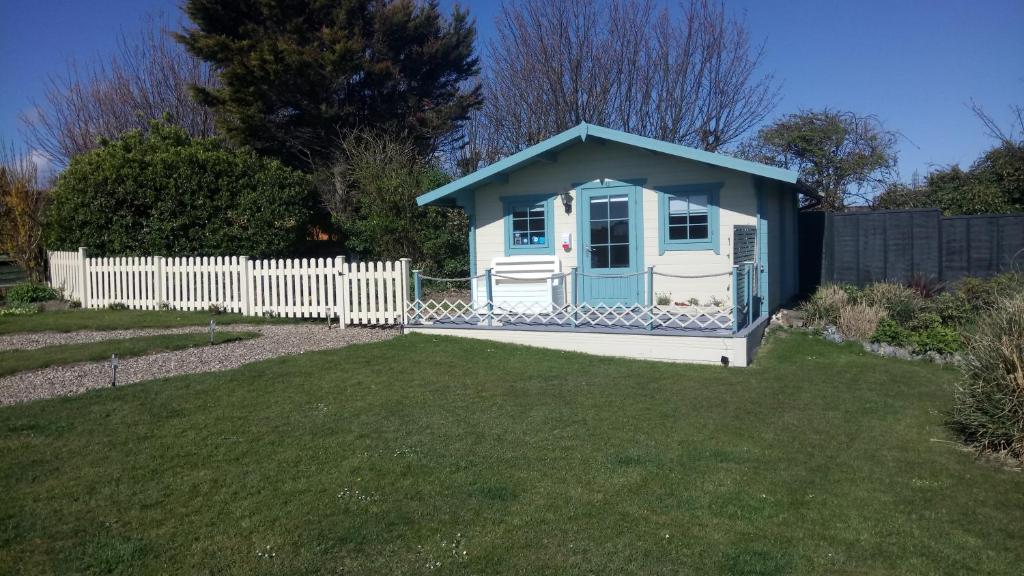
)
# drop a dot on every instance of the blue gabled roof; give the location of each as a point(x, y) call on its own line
point(581, 133)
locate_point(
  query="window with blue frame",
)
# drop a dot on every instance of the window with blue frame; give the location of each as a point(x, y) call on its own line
point(688, 217)
point(528, 225)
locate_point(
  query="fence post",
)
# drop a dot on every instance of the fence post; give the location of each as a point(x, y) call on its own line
point(245, 281)
point(736, 298)
point(83, 277)
point(341, 271)
point(404, 287)
point(158, 266)
point(490, 298)
point(650, 296)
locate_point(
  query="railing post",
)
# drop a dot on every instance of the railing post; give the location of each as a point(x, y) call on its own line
point(574, 296)
point(748, 291)
point(83, 277)
point(650, 296)
point(490, 297)
point(404, 264)
point(417, 286)
point(735, 298)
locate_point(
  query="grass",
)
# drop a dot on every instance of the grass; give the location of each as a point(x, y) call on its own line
point(71, 320)
point(478, 458)
point(12, 361)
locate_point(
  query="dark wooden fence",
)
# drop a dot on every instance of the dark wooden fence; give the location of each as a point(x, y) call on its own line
point(864, 247)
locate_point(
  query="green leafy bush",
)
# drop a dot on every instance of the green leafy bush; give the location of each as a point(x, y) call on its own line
point(374, 204)
point(941, 339)
point(164, 192)
point(889, 331)
point(953, 308)
point(989, 401)
point(984, 293)
point(28, 292)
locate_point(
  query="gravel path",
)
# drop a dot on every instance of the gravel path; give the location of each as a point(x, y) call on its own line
point(33, 340)
point(275, 340)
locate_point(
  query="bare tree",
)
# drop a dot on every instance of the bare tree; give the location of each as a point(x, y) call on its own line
point(22, 201)
point(1011, 135)
point(691, 78)
point(147, 78)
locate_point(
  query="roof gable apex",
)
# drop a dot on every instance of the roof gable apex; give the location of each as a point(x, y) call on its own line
point(580, 133)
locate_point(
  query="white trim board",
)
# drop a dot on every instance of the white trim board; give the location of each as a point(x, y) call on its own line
point(739, 350)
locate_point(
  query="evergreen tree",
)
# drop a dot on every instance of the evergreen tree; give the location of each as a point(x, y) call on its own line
point(298, 76)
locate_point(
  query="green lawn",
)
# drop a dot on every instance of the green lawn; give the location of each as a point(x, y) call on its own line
point(70, 320)
point(12, 361)
point(440, 455)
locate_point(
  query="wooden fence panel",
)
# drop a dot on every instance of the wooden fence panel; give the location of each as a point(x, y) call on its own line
point(864, 247)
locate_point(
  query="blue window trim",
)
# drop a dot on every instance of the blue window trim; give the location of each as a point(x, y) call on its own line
point(711, 189)
point(510, 202)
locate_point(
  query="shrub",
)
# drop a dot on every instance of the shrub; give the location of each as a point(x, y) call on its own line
point(28, 292)
point(824, 305)
point(890, 332)
point(953, 308)
point(373, 200)
point(986, 292)
point(117, 306)
point(164, 192)
point(989, 401)
point(859, 321)
point(938, 338)
point(900, 303)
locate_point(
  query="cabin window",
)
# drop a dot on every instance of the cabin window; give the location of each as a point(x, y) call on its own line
point(528, 225)
point(688, 217)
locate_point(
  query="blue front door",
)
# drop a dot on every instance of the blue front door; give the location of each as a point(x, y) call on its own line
point(611, 241)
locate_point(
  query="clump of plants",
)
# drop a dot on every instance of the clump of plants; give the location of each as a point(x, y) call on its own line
point(920, 318)
point(30, 292)
point(989, 402)
point(20, 309)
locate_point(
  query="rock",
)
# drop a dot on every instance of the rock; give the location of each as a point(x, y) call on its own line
point(831, 333)
point(789, 318)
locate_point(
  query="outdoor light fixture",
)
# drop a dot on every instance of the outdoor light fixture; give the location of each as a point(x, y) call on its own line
point(567, 201)
point(213, 329)
point(113, 370)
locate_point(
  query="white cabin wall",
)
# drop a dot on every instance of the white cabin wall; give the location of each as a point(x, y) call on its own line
point(591, 161)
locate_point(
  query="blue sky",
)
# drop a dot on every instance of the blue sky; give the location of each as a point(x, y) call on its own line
point(913, 63)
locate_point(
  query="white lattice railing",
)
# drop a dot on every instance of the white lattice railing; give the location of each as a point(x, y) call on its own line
point(506, 314)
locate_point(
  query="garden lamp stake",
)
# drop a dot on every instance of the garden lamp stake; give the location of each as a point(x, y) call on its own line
point(213, 328)
point(113, 370)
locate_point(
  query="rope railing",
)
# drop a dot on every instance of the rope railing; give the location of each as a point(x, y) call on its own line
point(466, 279)
point(693, 276)
point(489, 310)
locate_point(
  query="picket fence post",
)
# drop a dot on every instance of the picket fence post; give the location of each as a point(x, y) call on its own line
point(158, 264)
point(83, 277)
point(404, 287)
point(340, 271)
point(244, 292)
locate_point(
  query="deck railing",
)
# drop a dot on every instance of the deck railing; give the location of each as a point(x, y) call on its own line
point(480, 308)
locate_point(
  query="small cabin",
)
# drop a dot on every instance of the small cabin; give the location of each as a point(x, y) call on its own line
point(605, 242)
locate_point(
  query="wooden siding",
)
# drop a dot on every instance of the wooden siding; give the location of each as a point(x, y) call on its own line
point(591, 161)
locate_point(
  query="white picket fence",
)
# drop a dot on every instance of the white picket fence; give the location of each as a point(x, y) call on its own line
point(368, 293)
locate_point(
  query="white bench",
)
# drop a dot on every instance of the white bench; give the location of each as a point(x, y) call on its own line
point(523, 283)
